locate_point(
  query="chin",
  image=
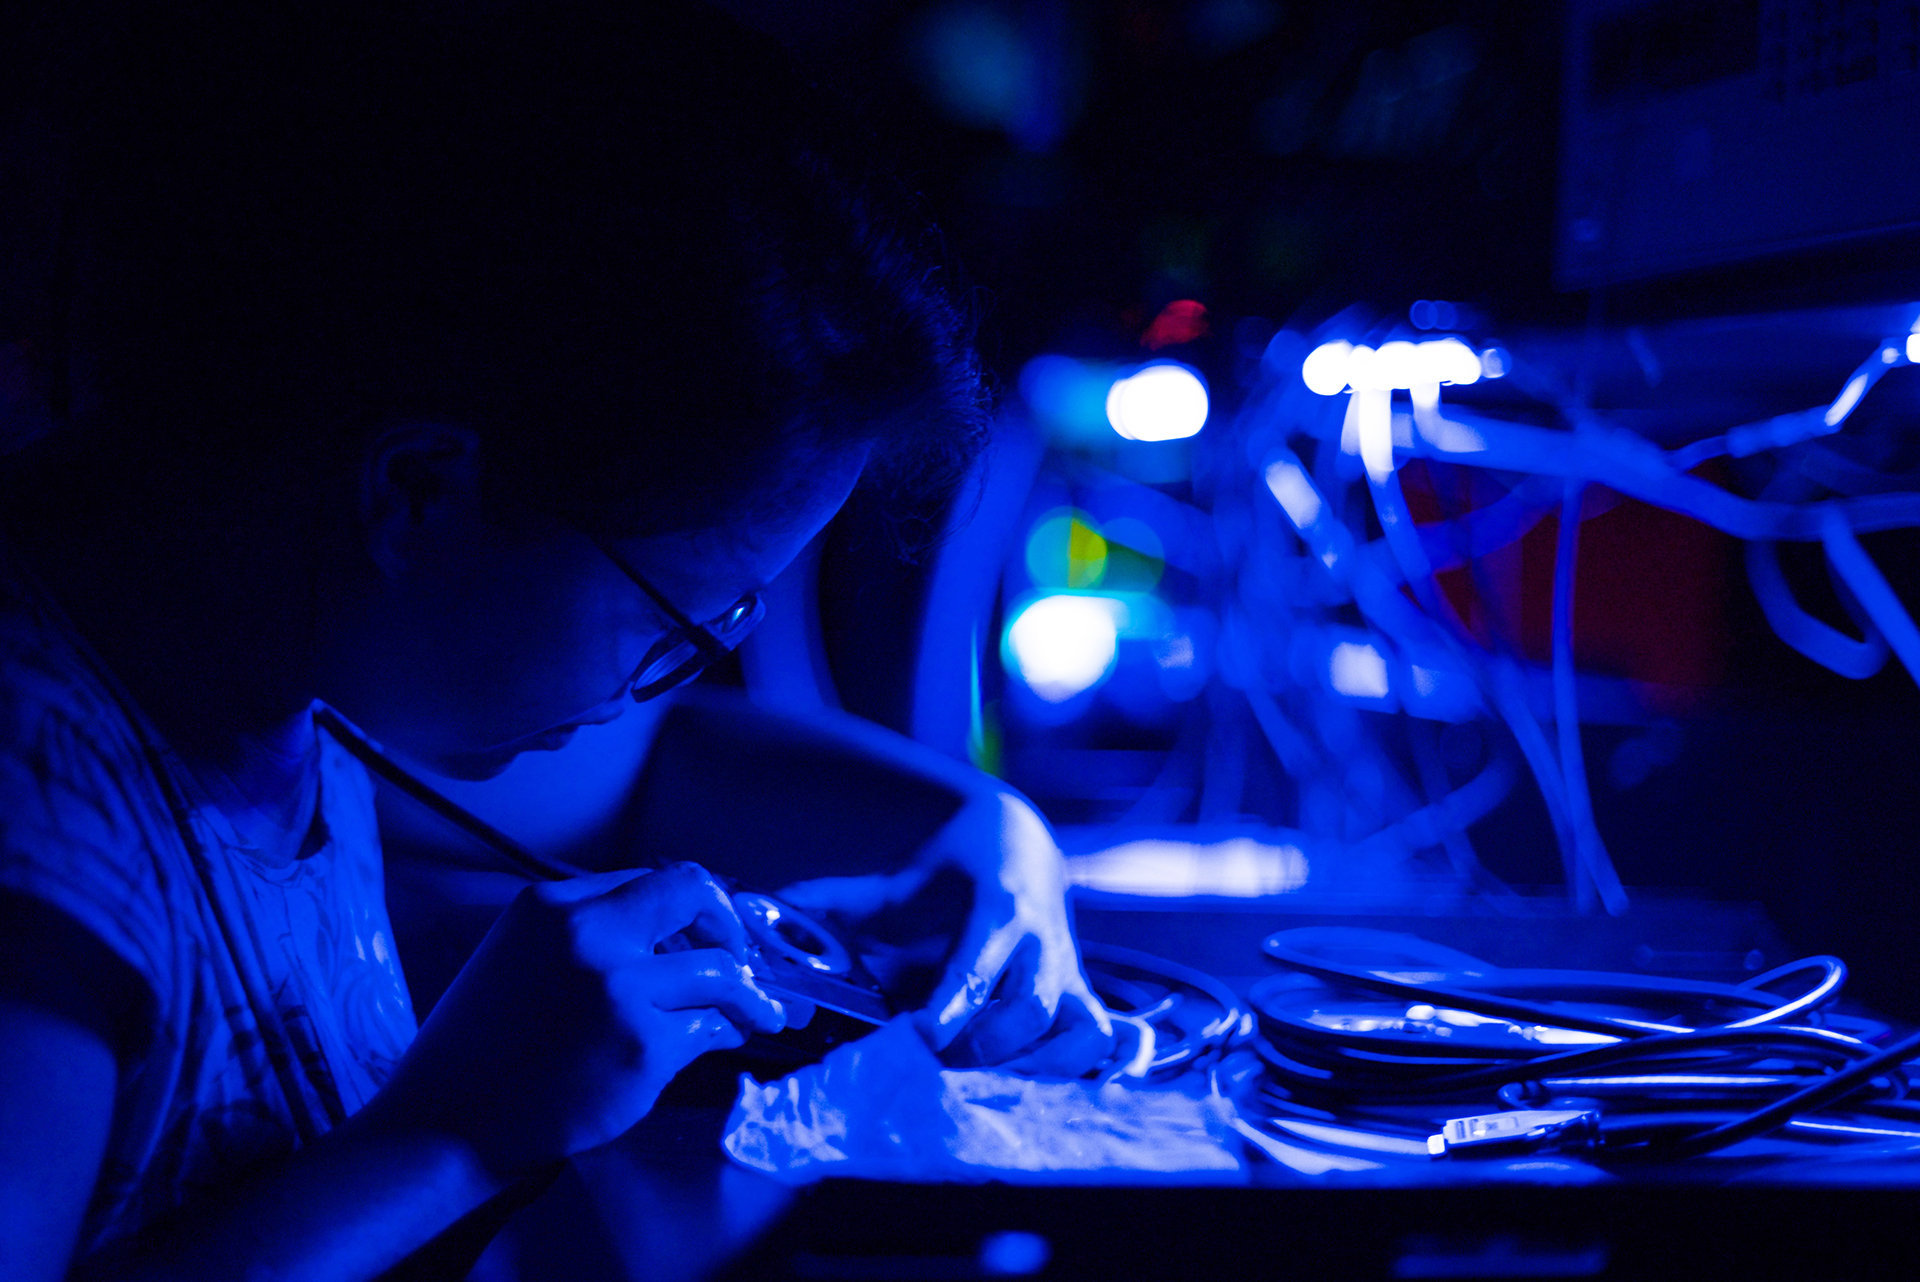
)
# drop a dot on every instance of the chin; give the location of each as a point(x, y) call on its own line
point(489, 763)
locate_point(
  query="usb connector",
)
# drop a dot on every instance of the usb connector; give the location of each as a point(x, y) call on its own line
point(1525, 1130)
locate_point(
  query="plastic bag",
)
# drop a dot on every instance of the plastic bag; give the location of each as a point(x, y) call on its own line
point(885, 1108)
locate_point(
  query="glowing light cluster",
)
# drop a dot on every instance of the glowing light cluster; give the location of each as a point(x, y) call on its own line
point(1065, 644)
point(1181, 321)
point(1239, 867)
point(1066, 550)
point(1164, 401)
point(1340, 366)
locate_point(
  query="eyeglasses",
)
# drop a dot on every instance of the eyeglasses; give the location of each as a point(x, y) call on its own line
point(688, 647)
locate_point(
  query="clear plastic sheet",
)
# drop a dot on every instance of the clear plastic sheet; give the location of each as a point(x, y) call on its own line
point(885, 1108)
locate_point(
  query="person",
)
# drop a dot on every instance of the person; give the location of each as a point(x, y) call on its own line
point(463, 370)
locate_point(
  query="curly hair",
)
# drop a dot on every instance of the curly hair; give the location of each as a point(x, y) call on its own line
point(647, 262)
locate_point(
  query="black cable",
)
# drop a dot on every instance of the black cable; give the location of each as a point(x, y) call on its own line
point(1468, 994)
point(1806, 1100)
point(1662, 1090)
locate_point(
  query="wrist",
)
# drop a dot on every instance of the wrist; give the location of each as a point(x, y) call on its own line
point(469, 1171)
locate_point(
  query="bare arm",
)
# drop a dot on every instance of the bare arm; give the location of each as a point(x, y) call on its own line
point(863, 818)
point(352, 1205)
point(58, 1071)
point(557, 1037)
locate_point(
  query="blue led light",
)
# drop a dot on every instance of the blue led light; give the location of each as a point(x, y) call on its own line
point(1013, 1254)
point(1164, 401)
point(1067, 396)
point(1358, 671)
point(1065, 644)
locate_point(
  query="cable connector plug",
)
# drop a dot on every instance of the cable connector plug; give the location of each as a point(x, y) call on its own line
point(1526, 1130)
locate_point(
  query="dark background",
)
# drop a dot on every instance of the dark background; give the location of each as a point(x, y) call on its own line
point(1091, 162)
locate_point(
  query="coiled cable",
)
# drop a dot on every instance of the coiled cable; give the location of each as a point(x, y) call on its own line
point(1673, 1068)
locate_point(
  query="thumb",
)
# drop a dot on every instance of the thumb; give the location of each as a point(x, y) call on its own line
point(967, 984)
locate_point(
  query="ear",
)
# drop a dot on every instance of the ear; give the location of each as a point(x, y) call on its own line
point(420, 493)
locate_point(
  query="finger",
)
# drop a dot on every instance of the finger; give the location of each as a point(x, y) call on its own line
point(1078, 1000)
point(1019, 1014)
point(968, 981)
point(709, 1030)
point(800, 1012)
point(704, 978)
point(1077, 1044)
point(680, 897)
point(999, 1032)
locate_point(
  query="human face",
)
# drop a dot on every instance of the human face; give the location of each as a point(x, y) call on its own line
point(506, 642)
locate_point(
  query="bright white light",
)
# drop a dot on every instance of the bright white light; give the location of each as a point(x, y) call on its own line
point(1396, 364)
point(1240, 866)
point(1163, 402)
point(1358, 671)
point(1849, 397)
point(1449, 360)
point(1295, 492)
point(1375, 429)
point(1494, 362)
point(1062, 645)
point(1325, 369)
point(1913, 348)
point(1888, 355)
point(1333, 367)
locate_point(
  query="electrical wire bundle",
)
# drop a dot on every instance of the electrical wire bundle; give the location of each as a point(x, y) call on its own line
point(1384, 1030)
point(1344, 542)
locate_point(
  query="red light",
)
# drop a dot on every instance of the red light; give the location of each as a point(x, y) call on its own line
point(1180, 321)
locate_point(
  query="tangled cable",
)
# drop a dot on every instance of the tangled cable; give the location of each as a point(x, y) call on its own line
point(1362, 1025)
point(1170, 1018)
point(1344, 541)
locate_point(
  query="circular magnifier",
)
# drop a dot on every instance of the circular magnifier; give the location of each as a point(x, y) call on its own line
point(787, 933)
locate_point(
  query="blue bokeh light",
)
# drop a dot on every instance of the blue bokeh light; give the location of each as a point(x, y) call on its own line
point(1164, 401)
point(1064, 644)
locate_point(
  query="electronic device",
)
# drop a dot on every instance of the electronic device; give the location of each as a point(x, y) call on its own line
point(795, 956)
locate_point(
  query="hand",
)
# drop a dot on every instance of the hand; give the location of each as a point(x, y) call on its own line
point(564, 1026)
point(1013, 992)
